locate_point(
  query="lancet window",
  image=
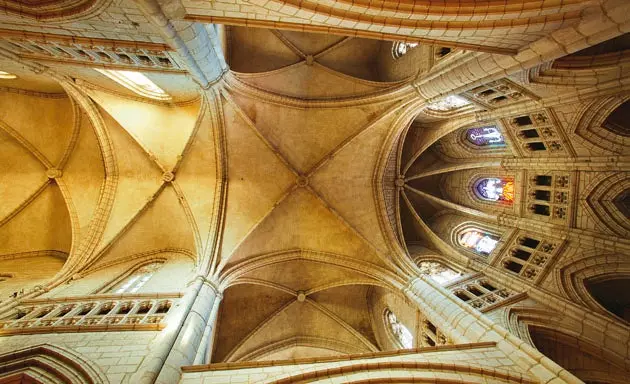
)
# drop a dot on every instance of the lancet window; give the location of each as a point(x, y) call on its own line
point(136, 82)
point(488, 136)
point(438, 271)
point(400, 48)
point(496, 189)
point(137, 279)
point(478, 241)
point(398, 330)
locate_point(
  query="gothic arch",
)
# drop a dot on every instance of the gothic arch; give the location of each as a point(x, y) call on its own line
point(59, 364)
point(589, 126)
point(491, 237)
point(573, 276)
point(583, 358)
point(603, 195)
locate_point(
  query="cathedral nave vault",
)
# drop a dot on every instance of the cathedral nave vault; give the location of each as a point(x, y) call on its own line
point(283, 198)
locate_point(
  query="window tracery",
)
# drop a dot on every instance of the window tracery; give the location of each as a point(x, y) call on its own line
point(495, 189)
point(481, 294)
point(400, 48)
point(528, 255)
point(438, 271)
point(398, 330)
point(549, 195)
point(537, 133)
point(478, 241)
point(487, 136)
point(137, 279)
point(136, 82)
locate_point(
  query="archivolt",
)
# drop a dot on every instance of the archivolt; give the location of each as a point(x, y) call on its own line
point(589, 126)
point(571, 276)
point(53, 362)
point(601, 194)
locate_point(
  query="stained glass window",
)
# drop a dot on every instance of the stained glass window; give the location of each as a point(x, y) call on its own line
point(495, 189)
point(485, 136)
point(137, 279)
point(402, 334)
point(438, 272)
point(400, 48)
point(478, 241)
point(449, 103)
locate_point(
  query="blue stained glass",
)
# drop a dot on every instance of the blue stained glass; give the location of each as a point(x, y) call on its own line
point(485, 136)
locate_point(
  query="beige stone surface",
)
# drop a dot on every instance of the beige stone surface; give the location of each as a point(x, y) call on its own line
point(287, 214)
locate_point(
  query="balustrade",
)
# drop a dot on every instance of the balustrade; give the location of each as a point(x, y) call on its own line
point(71, 314)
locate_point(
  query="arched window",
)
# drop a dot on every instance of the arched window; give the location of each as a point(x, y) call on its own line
point(449, 103)
point(488, 136)
point(400, 48)
point(438, 272)
point(399, 331)
point(477, 240)
point(500, 189)
point(136, 82)
point(136, 280)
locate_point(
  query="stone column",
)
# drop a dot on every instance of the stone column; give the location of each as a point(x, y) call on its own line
point(463, 324)
point(197, 44)
point(191, 334)
point(204, 353)
point(178, 343)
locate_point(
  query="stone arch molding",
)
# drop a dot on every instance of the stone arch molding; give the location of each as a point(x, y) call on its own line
point(56, 10)
point(50, 364)
point(572, 276)
point(601, 194)
point(589, 127)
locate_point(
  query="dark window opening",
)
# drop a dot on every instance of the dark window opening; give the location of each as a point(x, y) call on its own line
point(529, 133)
point(536, 146)
point(543, 180)
point(474, 291)
point(528, 242)
point(522, 121)
point(443, 51)
point(513, 266)
point(462, 296)
point(487, 286)
point(542, 195)
point(486, 93)
point(520, 254)
point(541, 209)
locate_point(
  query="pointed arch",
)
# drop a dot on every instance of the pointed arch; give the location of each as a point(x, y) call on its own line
point(58, 363)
